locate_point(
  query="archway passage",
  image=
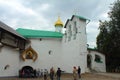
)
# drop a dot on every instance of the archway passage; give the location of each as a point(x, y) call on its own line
point(89, 60)
point(27, 72)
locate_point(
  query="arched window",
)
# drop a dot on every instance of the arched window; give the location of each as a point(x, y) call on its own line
point(89, 61)
point(65, 35)
point(98, 59)
point(75, 30)
point(69, 33)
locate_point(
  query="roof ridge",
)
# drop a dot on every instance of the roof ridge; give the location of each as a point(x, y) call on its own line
point(81, 17)
point(39, 33)
point(35, 30)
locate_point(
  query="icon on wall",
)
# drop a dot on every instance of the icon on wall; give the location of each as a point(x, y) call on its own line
point(29, 53)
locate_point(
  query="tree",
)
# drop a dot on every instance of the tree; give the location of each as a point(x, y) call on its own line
point(108, 40)
point(103, 37)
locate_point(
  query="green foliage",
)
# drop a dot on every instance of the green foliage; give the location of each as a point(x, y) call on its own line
point(103, 39)
point(109, 37)
point(108, 40)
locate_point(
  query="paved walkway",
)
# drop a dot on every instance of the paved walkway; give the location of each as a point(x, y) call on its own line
point(102, 76)
point(87, 76)
point(116, 75)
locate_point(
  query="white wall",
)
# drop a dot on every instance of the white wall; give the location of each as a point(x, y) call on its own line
point(45, 60)
point(65, 53)
point(99, 67)
point(9, 56)
point(75, 50)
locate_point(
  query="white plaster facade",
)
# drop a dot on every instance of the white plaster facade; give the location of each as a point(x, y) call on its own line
point(66, 52)
point(74, 45)
point(49, 54)
point(9, 57)
point(97, 66)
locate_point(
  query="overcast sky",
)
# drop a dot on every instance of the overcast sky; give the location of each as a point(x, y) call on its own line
point(42, 14)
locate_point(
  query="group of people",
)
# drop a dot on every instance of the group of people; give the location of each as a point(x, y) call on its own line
point(44, 73)
point(41, 73)
point(53, 73)
point(76, 72)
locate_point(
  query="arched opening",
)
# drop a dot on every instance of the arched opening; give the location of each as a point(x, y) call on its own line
point(74, 30)
point(89, 61)
point(27, 68)
point(27, 71)
point(69, 33)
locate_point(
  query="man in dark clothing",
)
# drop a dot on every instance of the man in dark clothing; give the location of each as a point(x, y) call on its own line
point(79, 72)
point(58, 74)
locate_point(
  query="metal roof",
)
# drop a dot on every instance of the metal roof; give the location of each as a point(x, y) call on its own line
point(10, 30)
point(80, 17)
point(29, 33)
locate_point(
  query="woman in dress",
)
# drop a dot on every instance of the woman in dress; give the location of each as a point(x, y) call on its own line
point(74, 73)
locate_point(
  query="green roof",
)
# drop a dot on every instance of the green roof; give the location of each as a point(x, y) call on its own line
point(81, 17)
point(29, 33)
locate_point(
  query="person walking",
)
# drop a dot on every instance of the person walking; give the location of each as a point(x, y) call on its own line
point(45, 74)
point(58, 74)
point(74, 73)
point(41, 73)
point(38, 72)
point(52, 73)
point(79, 72)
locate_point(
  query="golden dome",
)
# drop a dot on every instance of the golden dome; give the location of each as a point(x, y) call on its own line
point(59, 22)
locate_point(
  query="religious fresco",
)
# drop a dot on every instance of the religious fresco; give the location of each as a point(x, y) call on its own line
point(29, 54)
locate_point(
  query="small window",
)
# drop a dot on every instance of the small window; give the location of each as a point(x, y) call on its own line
point(74, 30)
point(98, 59)
point(40, 39)
point(49, 52)
point(65, 35)
point(6, 67)
point(75, 26)
point(69, 33)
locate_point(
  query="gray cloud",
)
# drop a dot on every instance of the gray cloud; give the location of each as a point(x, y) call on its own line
point(41, 14)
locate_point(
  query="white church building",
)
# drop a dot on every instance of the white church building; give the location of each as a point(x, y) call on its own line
point(45, 49)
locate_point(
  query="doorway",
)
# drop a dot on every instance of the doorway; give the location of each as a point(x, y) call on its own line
point(89, 61)
point(27, 72)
